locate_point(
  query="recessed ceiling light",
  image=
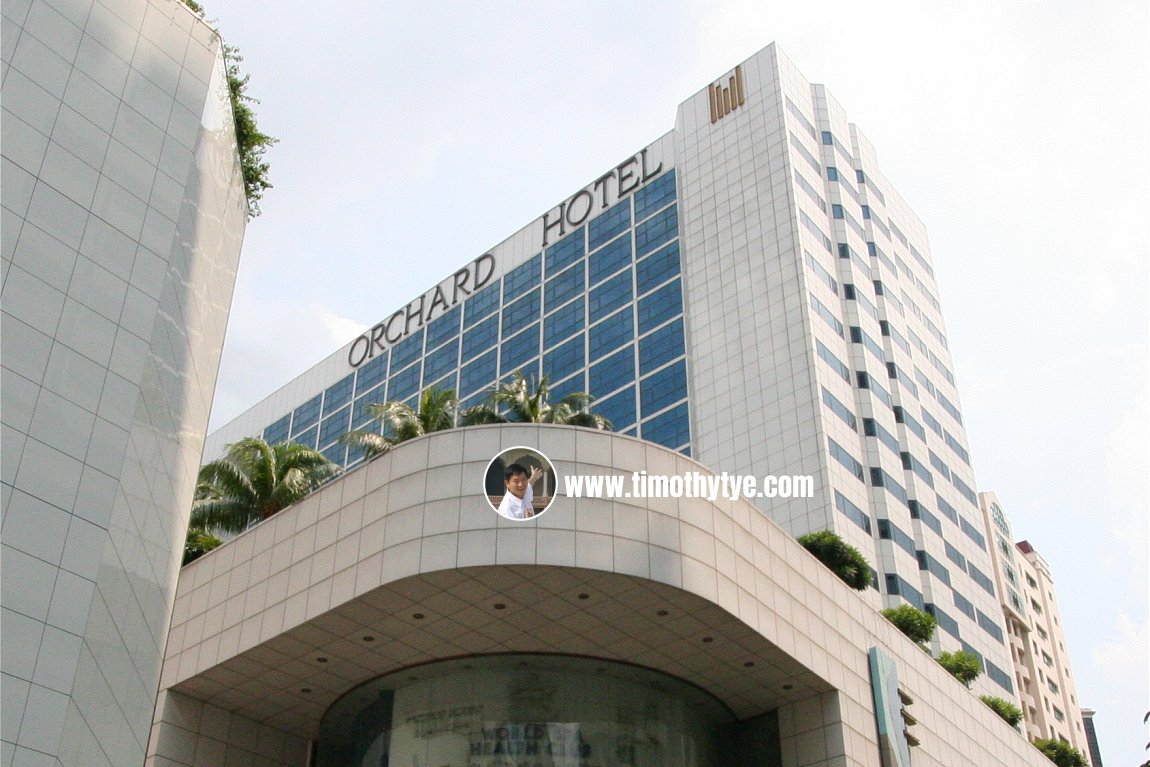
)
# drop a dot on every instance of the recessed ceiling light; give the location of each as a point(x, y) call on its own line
point(500, 606)
point(788, 687)
point(305, 690)
point(749, 663)
point(321, 660)
point(418, 616)
point(369, 639)
point(584, 596)
point(661, 613)
point(708, 639)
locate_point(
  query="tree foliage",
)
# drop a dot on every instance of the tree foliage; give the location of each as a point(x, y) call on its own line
point(915, 623)
point(254, 481)
point(844, 560)
point(1011, 713)
point(251, 142)
point(517, 401)
point(1061, 753)
point(437, 409)
point(963, 666)
point(197, 543)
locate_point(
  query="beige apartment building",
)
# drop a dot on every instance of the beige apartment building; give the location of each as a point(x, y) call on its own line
point(1037, 642)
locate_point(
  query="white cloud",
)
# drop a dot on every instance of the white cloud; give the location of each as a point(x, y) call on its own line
point(340, 329)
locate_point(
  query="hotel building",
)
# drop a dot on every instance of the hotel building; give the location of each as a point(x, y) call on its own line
point(746, 294)
point(1046, 686)
point(123, 215)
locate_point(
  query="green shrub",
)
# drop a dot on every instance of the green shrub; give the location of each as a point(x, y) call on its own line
point(1061, 753)
point(962, 665)
point(1011, 713)
point(844, 560)
point(916, 624)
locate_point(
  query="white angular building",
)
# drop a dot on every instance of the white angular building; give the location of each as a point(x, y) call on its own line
point(123, 215)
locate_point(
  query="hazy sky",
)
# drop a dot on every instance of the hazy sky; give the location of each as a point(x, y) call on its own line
point(414, 137)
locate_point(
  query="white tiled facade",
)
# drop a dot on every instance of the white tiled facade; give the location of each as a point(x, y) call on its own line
point(123, 214)
point(401, 562)
point(1042, 668)
point(801, 285)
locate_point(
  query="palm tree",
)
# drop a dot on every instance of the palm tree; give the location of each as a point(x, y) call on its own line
point(521, 404)
point(437, 409)
point(254, 481)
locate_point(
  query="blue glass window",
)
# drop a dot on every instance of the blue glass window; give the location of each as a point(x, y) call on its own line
point(873, 428)
point(307, 438)
point(371, 373)
point(443, 327)
point(613, 372)
point(334, 426)
point(839, 409)
point(479, 373)
point(441, 361)
point(828, 139)
point(520, 313)
point(520, 348)
point(840, 454)
point(657, 268)
point(564, 360)
point(278, 431)
point(480, 305)
point(338, 394)
point(563, 322)
point(655, 195)
point(405, 383)
point(656, 230)
point(661, 389)
point(658, 307)
point(890, 531)
point(670, 429)
point(947, 510)
point(972, 533)
point(880, 478)
point(610, 224)
point(852, 512)
point(945, 622)
point(965, 606)
point(866, 211)
point(480, 338)
point(837, 210)
point(832, 173)
point(606, 261)
point(611, 333)
point(522, 278)
point(563, 287)
point(407, 351)
point(860, 176)
point(662, 346)
point(836, 364)
point(565, 252)
point(609, 296)
point(619, 408)
point(569, 386)
point(923, 514)
point(336, 453)
point(1000, 677)
point(827, 315)
point(306, 414)
point(361, 415)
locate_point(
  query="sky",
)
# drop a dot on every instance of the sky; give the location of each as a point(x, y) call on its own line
point(414, 136)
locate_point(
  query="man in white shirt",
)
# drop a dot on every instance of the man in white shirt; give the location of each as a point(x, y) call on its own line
point(516, 504)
